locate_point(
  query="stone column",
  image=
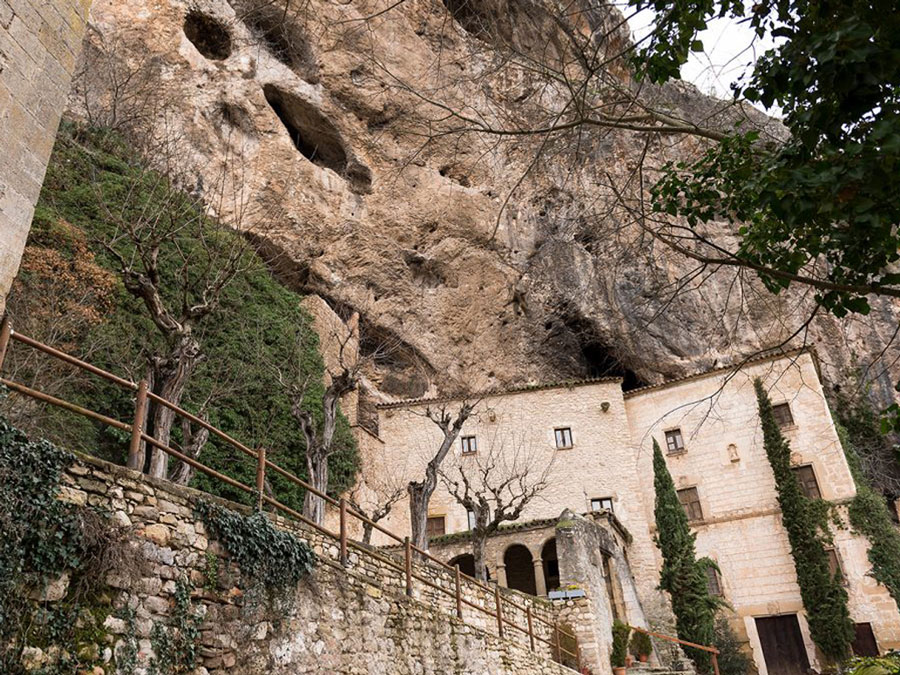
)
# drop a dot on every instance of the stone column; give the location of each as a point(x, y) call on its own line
point(539, 583)
point(39, 42)
point(501, 575)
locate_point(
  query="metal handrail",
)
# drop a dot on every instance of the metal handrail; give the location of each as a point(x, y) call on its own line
point(136, 428)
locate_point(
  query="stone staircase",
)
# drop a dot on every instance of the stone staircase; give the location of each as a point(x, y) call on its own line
point(683, 668)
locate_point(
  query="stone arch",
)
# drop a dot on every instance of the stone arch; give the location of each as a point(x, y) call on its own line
point(465, 562)
point(518, 561)
point(550, 563)
point(209, 35)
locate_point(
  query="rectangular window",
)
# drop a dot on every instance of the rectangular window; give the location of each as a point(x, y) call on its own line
point(435, 526)
point(601, 503)
point(470, 516)
point(713, 583)
point(674, 441)
point(469, 445)
point(563, 438)
point(807, 479)
point(783, 416)
point(690, 500)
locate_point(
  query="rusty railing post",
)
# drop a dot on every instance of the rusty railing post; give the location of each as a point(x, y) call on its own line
point(530, 627)
point(408, 546)
point(556, 641)
point(136, 449)
point(5, 332)
point(715, 663)
point(343, 532)
point(458, 595)
point(499, 611)
point(260, 476)
point(577, 654)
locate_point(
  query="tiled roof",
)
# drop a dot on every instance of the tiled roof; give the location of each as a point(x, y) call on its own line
point(565, 384)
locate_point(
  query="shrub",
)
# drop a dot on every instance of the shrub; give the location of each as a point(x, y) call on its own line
point(640, 644)
point(620, 633)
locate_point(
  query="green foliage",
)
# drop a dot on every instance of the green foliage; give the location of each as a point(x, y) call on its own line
point(620, 633)
point(889, 664)
point(211, 572)
point(824, 597)
point(94, 181)
point(682, 576)
point(827, 193)
point(264, 553)
point(870, 515)
point(733, 660)
point(640, 644)
point(175, 646)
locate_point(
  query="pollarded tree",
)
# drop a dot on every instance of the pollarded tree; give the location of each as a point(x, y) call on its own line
point(495, 484)
point(449, 422)
point(682, 576)
point(824, 597)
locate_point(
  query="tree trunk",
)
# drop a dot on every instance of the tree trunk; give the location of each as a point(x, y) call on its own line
point(478, 546)
point(367, 533)
point(193, 446)
point(170, 376)
point(418, 513)
point(317, 466)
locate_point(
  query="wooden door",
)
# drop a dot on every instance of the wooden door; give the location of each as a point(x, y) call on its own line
point(782, 645)
point(864, 642)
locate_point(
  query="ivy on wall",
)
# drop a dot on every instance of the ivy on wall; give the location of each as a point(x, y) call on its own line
point(682, 576)
point(870, 516)
point(824, 597)
point(263, 552)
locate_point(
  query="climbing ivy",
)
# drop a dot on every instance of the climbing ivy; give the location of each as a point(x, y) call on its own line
point(682, 575)
point(870, 515)
point(824, 597)
point(175, 646)
point(263, 552)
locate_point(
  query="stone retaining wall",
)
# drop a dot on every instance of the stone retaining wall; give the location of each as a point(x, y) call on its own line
point(354, 620)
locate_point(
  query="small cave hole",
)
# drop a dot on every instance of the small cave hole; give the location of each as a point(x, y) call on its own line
point(600, 362)
point(470, 16)
point(235, 117)
point(311, 133)
point(211, 37)
point(283, 39)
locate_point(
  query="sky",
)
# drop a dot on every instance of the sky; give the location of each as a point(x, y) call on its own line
point(729, 47)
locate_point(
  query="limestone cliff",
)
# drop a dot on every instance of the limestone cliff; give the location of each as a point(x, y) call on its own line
point(489, 268)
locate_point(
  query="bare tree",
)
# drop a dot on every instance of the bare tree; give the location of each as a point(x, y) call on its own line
point(495, 484)
point(343, 377)
point(386, 490)
point(449, 421)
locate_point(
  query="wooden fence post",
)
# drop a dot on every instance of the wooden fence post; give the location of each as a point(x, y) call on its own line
point(408, 545)
point(556, 641)
point(343, 532)
point(499, 610)
point(136, 450)
point(715, 664)
point(530, 627)
point(5, 331)
point(458, 594)
point(260, 476)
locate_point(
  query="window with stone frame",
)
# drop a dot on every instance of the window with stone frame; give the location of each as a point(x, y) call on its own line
point(435, 526)
point(713, 582)
point(601, 503)
point(834, 565)
point(783, 415)
point(674, 441)
point(469, 445)
point(690, 500)
point(563, 437)
point(807, 479)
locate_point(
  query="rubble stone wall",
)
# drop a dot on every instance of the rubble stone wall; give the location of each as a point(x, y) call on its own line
point(353, 620)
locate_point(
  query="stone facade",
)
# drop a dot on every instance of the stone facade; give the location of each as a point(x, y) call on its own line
point(39, 45)
point(611, 458)
point(349, 620)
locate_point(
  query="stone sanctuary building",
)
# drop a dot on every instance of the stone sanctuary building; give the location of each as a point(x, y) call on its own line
point(593, 526)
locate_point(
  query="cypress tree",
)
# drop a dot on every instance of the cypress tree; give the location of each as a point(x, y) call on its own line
point(682, 576)
point(824, 597)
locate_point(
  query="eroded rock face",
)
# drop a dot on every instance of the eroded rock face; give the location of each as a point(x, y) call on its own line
point(488, 267)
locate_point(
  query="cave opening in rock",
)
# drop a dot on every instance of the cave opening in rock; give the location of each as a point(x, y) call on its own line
point(599, 362)
point(310, 131)
point(468, 14)
point(210, 36)
point(280, 36)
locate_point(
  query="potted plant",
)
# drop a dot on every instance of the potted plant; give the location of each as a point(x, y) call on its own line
point(620, 633)
point(641, 646)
